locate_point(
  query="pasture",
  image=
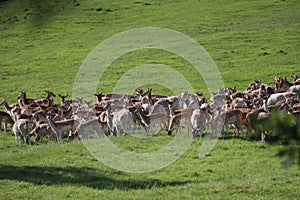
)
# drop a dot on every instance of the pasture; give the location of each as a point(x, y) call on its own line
point(43, 44)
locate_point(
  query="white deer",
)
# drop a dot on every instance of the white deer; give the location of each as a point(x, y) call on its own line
point(119, 120)
point(22, 127)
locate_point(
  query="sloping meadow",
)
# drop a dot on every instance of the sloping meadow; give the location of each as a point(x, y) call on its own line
point(44, 43)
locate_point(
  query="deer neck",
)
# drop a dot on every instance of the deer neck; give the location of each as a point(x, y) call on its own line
point(7, 107)
point(144, 118)
point(109, 117)
point(21, 102)
point(265, 106)
point(53, 126)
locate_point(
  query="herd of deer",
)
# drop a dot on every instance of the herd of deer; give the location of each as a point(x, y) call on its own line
point(113, 113)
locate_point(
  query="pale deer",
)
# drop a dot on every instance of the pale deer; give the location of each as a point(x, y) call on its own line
point(22, 128)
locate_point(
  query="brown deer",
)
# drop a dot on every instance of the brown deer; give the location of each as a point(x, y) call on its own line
point(6, 119)
point(177, 120)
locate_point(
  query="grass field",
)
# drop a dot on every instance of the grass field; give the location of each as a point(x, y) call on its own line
point(43, 44)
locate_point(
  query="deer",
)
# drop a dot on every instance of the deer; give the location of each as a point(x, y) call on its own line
point(99, 97)
point(41, 130)
point(296, 80)
point(139, 92)
point(160, 106)
point(67, 103)
point(196, 122)
point(59, 127)
point(48, 101)
point(207, 116)
point(116, 96)
point(14, 110)
point(135, 117)
point(245, 112)
point(22, 127)
point(238, 103)
point(295, 89)
point(148, 94)
point(92, 125)
point(188, 100)
point(296, 106)
point(6, 119)
point(146, 97)
point(201, 98)
point(231, 116)
point(119, 119)
point(182, 118)
point(9, 108)
point(152, 119)
point(40, 116)
point(282, 84)
point(256, 116)
point(147, 101)
point(296, 114)
point(274, 98)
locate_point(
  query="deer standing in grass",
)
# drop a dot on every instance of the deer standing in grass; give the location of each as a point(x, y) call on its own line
point(119, 120)
point(152, 119)
point(6, 119)
point(59, 127)
point(231, 116)
point(9, 108)
point(42, 130)
point(180, 119)
point(92, 125)
point(22, 128)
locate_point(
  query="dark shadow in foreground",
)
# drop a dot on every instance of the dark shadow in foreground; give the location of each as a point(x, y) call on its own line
point(85, 176)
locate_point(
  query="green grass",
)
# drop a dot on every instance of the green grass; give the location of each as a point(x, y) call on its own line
point(43, 44)
point(235, 168)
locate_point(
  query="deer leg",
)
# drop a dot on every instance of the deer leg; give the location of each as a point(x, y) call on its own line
point(17, 138)
point(227, 126)
point(118, 131)
point(28, 138)
point(60, 135)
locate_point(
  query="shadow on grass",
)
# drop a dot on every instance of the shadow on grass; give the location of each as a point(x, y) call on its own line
point(83, 176)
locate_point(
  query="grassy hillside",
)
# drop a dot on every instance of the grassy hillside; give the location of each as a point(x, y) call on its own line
point(43, 44)
point(235, 169)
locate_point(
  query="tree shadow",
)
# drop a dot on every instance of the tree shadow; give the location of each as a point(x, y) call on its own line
point(86, 176)
point(37, 12)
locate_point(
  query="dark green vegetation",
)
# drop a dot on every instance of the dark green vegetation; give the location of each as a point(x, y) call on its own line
point(43, 44)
